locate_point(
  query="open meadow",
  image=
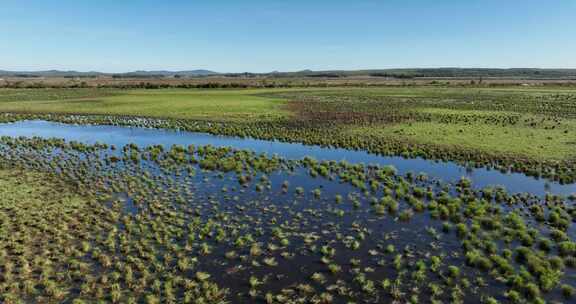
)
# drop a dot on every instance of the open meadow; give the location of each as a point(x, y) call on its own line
point(534, 123)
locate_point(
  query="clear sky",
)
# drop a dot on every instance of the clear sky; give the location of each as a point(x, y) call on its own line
point(285, 35)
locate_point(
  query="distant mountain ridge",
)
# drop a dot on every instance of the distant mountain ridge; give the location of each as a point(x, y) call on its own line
point(439, 73)
point(174, 73)
point(529, 73)
point(49, 73)
point(59, 73)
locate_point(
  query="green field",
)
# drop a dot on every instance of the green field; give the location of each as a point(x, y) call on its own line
point(536, 123)
point(172, 103)
point(529, 122)
point(531, 142)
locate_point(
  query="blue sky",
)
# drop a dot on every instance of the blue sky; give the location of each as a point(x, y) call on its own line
point(288, 35)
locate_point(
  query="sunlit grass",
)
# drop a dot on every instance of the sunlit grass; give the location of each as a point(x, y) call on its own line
point(535, 143)
point(166, 103)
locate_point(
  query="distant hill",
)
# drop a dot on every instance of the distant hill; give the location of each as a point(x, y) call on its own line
point(50, 73)
point(57, 73)
point(192, 73)
point(518, 73)
point(530, 73)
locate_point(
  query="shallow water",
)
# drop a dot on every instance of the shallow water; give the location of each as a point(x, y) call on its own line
point(169, 201)
point(119, 136)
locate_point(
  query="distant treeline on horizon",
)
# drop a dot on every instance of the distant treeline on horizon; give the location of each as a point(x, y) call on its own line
point(524, 73)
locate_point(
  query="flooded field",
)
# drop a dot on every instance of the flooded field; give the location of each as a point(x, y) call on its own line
point(213, 219)
point(120, 136)
point(286, 152)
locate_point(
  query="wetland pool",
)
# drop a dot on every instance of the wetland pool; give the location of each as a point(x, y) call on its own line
point(212, 223)
point(120, 136)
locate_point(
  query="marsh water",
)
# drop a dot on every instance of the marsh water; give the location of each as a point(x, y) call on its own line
point(285, 238)
point(120, 136)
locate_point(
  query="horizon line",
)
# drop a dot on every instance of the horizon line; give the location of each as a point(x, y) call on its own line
point(279, 71)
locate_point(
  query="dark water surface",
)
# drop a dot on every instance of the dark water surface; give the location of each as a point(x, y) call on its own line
point(119, 136)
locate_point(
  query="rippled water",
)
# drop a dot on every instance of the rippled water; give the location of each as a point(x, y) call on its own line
point(119, 136)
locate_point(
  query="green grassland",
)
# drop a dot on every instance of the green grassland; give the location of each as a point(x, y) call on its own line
point(522, 141)
point(538, 123)
point(534, 122)
point(170, 103)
